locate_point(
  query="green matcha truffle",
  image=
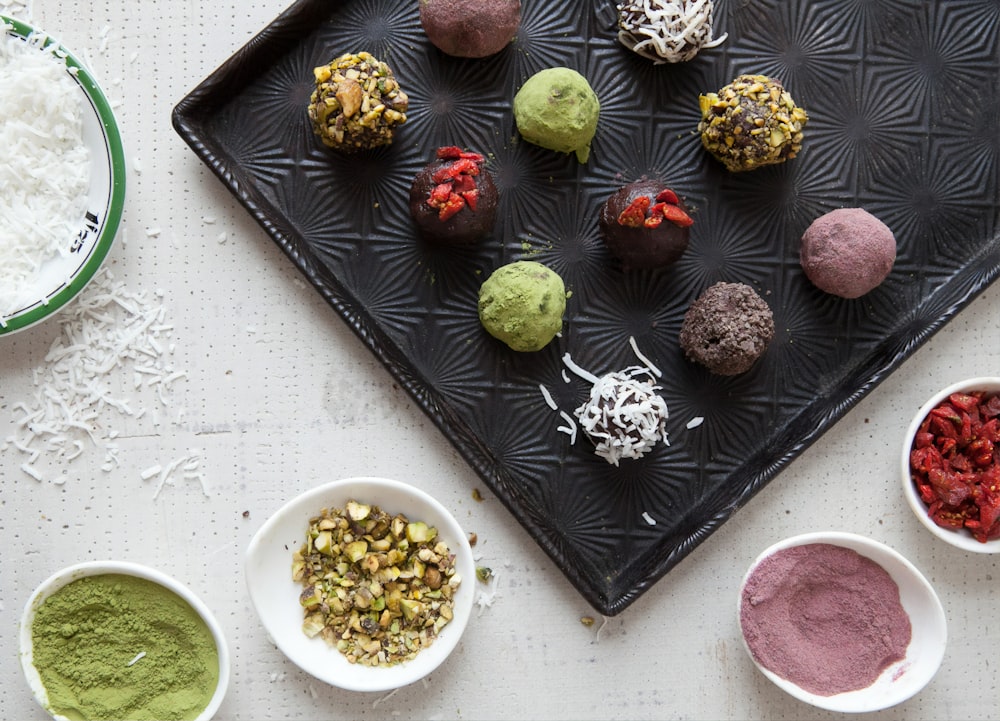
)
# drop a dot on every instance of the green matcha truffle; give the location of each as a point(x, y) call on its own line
point(522, 304)
point(557, 109)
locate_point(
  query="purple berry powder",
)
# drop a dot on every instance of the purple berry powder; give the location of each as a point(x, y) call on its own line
point(824, 617)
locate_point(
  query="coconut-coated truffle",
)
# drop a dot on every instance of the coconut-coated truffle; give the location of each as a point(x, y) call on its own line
point(847, 252)
point(727, 328)
point(470, 28)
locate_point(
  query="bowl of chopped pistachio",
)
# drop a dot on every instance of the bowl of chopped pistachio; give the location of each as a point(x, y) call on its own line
point(365, 583)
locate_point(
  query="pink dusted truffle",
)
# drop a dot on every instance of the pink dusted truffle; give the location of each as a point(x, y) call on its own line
point(470, 28)
point(847, 252)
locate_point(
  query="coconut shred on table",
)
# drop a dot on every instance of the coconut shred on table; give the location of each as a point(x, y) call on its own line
point(45, 173)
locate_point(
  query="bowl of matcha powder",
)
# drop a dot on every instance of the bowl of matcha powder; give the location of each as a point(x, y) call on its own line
point(118, 640)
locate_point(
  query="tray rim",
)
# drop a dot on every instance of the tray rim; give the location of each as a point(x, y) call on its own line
point(188, 120)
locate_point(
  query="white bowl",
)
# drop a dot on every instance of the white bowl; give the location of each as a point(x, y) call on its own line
point(276, 596)
point(901, 680)
point(960, 537)
point(61, 278)
point(98, 568)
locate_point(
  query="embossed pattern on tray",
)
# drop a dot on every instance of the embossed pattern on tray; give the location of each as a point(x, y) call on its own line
point(903, 98)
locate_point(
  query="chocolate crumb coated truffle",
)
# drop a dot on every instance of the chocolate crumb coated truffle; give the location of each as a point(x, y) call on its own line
point(624, 416)
point(522, 304)
point(470, 28)
point(847, 252)
point(750, 123)
point(453, 200)
point(357, 103)
point(645, 225)
point(727, 328)
point(666, 31)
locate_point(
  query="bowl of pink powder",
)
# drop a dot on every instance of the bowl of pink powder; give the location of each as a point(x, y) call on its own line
point(841, 622)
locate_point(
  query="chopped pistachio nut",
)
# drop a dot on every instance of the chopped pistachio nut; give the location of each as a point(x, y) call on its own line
point(357, 103)
point(377, 587)
point(484, 573)
point(750, 123)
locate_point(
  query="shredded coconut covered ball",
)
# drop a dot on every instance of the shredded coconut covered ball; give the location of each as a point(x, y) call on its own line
point(624, 416)
point(666, 31)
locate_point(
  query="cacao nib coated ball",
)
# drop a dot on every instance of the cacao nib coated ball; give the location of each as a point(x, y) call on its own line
point(727, 328)
point(641, 246)
point(470, 28)
point(465, 226)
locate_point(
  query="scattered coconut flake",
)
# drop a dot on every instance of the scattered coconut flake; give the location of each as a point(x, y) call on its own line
point(643, 359)
point(31, 471)
point(208, 219)
point(150, 472)
point(486, 597)
point(565, 376)
point(385, 698)
point(695, 422)
point(135, 660)
point(137, 166)
point(570, 427)
point(105, 333)
point(604, 622)
point(648, 519)
point(586, 375)
point(549, 401)
point(222, 237)
point(153, 232)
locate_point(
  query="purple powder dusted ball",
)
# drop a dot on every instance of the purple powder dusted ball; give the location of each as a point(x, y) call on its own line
point(470, 28)
point(847, 252)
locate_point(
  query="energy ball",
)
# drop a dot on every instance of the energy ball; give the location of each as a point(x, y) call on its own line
point(645, 225)
point(522, 304)
point(453, 200)
point(727, 328)
point(750, 123)
point(557, 109)
point(470, 28)
point(624, 417)
point(847, 252)
point(357, 103)
point(666, 31)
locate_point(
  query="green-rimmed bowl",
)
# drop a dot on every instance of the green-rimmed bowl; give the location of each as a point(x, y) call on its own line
point(61, 278)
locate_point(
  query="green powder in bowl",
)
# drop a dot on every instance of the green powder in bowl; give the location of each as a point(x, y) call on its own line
point(124, 643)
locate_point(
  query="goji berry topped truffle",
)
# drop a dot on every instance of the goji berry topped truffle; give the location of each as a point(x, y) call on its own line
point(727, 328)
point(470, 28)
point(357, 103)
point(522, 304)
point(666, 31)
point(847, 252)
point(453, 200)
point(750, 123)
point(645, 225)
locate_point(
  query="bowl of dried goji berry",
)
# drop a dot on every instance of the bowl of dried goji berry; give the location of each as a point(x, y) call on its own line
point(951, 464)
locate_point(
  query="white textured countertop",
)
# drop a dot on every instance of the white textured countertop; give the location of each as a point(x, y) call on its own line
point(276, 394)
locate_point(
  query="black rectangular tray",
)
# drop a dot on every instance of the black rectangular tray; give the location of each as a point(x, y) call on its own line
point(904, 104)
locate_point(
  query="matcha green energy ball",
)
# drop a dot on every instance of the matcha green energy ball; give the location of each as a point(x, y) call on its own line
point(558, 110)
point(522, 304)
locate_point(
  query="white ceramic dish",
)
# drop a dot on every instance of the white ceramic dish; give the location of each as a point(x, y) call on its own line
point(276, 596)
point(959, 538)
point(63, 277)
point(97, 568)
point(923, 656)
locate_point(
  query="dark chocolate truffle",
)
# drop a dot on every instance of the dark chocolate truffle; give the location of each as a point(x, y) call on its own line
point(470, 28)
point(750, 123)
point(645, 225)
point(847, 252)
point(453, 200)
point(727, 328)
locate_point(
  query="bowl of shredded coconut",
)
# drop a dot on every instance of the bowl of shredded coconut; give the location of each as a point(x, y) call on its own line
point(62, 179)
